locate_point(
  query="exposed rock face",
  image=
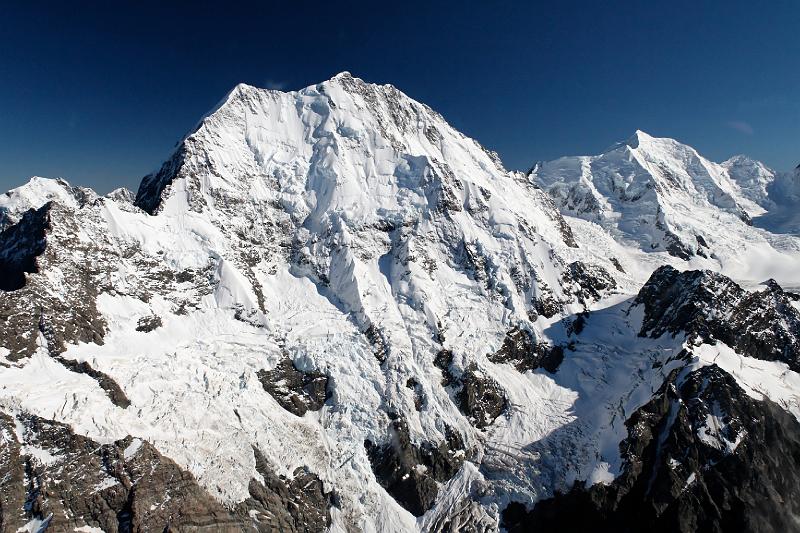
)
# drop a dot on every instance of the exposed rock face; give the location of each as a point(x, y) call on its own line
point(480, 397)
point(148, 197)
point(617, 264)
point(677, 301)
point(148, 323)
point(411, 471)
point(588, 283)
point(476, 394)
point(521, 350)
point(70, 481)
point(700, 456)
point(299, 504)
point(72, 316)
point(295, 390)
point(20, 245)
point(112, 388)
point(67, 481)
point(706, 305)
point(443, 361)
point(378, 342)
point(546, 305)
point(677, 248)
point(418, 392)
point(766, 325)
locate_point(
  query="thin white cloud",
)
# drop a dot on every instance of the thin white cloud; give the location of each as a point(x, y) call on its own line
point(275, 85)
point(741, 126)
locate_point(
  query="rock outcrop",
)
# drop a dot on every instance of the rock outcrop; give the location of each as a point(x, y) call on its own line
point(711, 307)
point(701, 455)
point(295, 390)
point(411, 472)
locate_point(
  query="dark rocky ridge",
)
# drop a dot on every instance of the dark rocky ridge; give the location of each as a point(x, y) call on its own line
point(476, 395)
point(411, 471)
point(545, 304)
point(587, 283)
point(148, 196)
point(112, 388)
point(295, 390)
point(677, 301)
point(677, 248)
point(73, 251)
point(480, 397)
point(73, 316)
point(684, 473)
point(376, 338)
point(20, 245)
point(119, 487)
point(521, 350)
point(279, 504)
point(443, 361)
point(418, 393)
point(129, 486)
point(709, 306)
point(146, 324)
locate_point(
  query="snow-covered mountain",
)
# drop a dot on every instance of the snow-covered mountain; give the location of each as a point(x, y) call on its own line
point(761, 184)
point(755, 180)
point(777, 193)
point(329, 310)
point(662, 196)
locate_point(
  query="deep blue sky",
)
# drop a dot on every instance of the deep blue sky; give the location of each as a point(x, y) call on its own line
point(100, 95)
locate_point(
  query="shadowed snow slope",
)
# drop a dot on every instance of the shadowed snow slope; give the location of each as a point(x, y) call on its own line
point(330, 309)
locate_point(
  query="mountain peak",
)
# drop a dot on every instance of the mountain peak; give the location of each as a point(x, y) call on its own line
point(37, 192)
point(343, 75)
point(255, 135)
point(665, 146)
point(638, 137)
point(746, 163)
